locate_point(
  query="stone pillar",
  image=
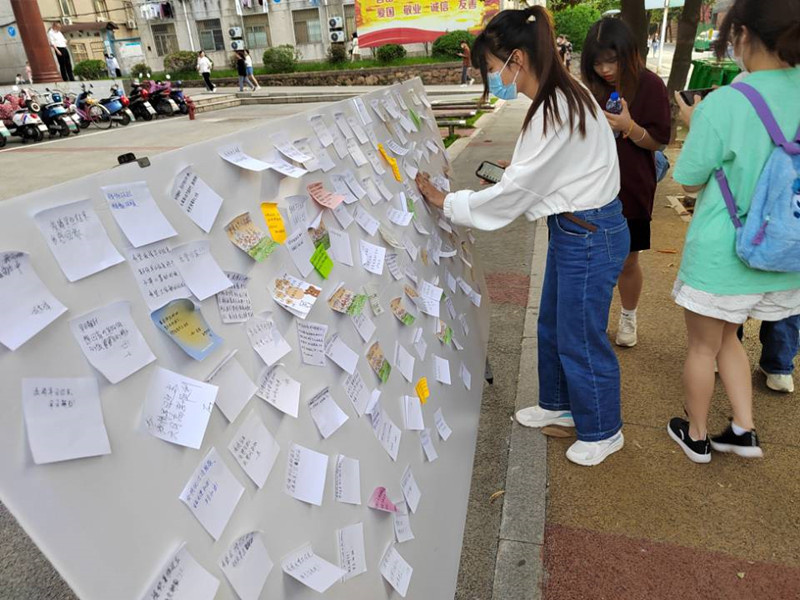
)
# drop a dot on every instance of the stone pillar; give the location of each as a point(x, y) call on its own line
point(34, 40)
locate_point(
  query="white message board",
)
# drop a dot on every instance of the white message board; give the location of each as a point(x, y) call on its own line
point(112, 522)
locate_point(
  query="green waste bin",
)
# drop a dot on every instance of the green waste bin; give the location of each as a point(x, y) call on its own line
point(708, 73)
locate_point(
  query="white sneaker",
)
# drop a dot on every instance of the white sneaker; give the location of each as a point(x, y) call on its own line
point(472, 81)
point(463, 85)
point(589, 454)
point(536, 416)
point(626, 332)
point(779, 383)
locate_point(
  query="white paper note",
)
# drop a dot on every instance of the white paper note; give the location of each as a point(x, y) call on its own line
point(234, 303)
point(412, 413)
point(254, 448)
point(402, 524)
point(356, 391)
point(387, 433)
point(441, 425)
point(77, 239)
point(310, 569)
point(63, 418)
point(234, 155)
point(246, 565)
point(177, 408)
point(157, 275)
point(372, 257)
point(265, 338)
point(137, 213)
point(441, 367)
point(426, 440)
point(341, 353)
point(396, 570)
point(301, 248)
point(347, 480)
point(327, 415)
point(311, 337)
point(305, 474)
point(182, 578)
point(199, 270)
point(321, 129)
point(26, 305)
point(285, 147)
point(364, 326)
point(196, 198)
point(341, 251)
point(466, 376)
point(404, 362)
point(111, 341)
point(277, 388)
point(366, 221)
point(343, 216)
point(410, 489)
point(420, 345)
point(352, 556)
point(235, 388)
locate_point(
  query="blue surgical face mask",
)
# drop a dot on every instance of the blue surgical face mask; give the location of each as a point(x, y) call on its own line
point(498, 88)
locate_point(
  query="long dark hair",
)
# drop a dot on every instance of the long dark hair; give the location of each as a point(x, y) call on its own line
point(531, 31)
point(609, 37)
point(776, 23)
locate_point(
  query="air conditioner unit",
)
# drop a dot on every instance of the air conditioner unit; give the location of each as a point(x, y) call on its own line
point(66, 21)
point(336, 23)
point(235, 32)
point(337, 36)
point(101, 19)
point(237, 45)
point(131, 24)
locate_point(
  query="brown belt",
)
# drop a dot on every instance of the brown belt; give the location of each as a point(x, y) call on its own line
point(579, 222)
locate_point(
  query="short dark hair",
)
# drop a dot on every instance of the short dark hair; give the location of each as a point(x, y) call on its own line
point(776, 23)
point(531, 31)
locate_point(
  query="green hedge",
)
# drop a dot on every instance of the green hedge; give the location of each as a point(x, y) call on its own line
point(337, 54)
point(91, 69)
point(180, 62)
point(140, 68)
point(450, 43)
point(575, 22)
point(281, 59)
point(389, 53)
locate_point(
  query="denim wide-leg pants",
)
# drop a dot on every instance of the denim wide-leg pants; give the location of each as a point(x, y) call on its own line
point(578, 370)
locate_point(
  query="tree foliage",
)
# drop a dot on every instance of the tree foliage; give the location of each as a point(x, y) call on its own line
point(575, 21)
point(389, 53)
point(182, 61)
point(91, 69)
point(450, 43)
point(281, 59)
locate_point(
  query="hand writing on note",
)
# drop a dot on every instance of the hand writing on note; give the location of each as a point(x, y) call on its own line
point(430, 192)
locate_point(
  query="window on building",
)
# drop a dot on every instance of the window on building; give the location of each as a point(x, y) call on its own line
point(78, 52)
point(97, 50)
point(210, 32)
point(67, 8)
point(256, 31)
point(349, 20)
point(164, 38)
point(101, 9)
point(307, 28)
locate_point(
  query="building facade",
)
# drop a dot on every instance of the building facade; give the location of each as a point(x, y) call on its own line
point(195, 25)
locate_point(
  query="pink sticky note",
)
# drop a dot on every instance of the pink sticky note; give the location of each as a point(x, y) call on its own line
point(324, 197)
point(379, 501)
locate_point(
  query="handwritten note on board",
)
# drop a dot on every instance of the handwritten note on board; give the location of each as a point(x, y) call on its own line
point(137, 213)
point(182, 578)
point(185, 325)
point(196, 198)
point(277, 388)
point(247, 565)
point(157, 275)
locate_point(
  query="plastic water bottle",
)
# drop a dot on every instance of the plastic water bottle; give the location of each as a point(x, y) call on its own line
point(614, 105)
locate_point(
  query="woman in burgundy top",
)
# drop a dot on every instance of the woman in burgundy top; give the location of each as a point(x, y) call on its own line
point(611, 62)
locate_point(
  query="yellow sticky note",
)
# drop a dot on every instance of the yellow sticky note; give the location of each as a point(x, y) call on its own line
point(274, 221)
point(392, 163)
point(423, 393)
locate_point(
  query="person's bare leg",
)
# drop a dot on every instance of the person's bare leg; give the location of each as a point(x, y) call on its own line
point(630, 282)
point(705, 339)
point(734, 370)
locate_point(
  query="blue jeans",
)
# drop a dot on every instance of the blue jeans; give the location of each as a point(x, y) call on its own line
point(780, 341)
point(578, 370)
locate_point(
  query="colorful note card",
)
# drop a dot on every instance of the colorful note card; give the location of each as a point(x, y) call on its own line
point(423, 393)
point(322, 262)
point(183, 322)
point(275, 224)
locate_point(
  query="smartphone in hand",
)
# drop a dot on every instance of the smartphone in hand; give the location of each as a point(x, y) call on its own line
point(688, 95)
point(490, 172)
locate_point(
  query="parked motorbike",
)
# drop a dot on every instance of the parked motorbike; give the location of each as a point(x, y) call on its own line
point(176, 93)
point(160, 97)
point(55, 115)
point(140, 102)
point(89, 110)
point(19, 117)
point(117, 105)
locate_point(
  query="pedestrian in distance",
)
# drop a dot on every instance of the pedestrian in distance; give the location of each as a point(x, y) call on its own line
point(204, 66)
point(248, 66)
point(611, 62)
point(579, 378)
point(28, 73)
point(355, 51)
point(58, 43)
point(112, 66)
point(466, 59)
point(723, 159)
point(567, 52)
point(241, 70)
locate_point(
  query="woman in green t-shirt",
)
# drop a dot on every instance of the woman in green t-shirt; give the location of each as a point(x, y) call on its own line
point(716, 289)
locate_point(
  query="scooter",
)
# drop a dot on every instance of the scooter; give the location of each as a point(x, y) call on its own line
point(89, 109)
point(55, 115)
point(20, 118)
point(139, 102)
point(4, 134)
point(160, 97)
point(116, 105)
point(176, 93)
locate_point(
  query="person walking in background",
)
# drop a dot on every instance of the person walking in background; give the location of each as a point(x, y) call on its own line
point(567, 52)
point(579, 379)
point(241, 70)
point(248, 67)
point(204, 66)
point(28, 73)
point(717, 290)
point(355, 51)
point(113, 66)
point(611, 62)
point(466, 59)
point(59, 45)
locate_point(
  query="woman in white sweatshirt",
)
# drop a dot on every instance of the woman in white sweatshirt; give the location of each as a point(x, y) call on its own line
point(204, 66)
point(564, 168)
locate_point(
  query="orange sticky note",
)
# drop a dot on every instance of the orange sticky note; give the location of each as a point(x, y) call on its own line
point(392, 163)
point(423, 393)
point(274, 220)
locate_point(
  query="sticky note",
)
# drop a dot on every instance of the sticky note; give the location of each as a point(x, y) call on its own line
point(274, 221)
point(422, 390)
point(392, 163)
point(321, 261)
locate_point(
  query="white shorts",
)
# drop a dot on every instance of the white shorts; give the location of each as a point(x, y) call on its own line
point(769, 306)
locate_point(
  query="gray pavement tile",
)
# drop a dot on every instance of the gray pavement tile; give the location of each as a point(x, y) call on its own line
point(526, 487)
point(528, 381)
point(519, 571)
